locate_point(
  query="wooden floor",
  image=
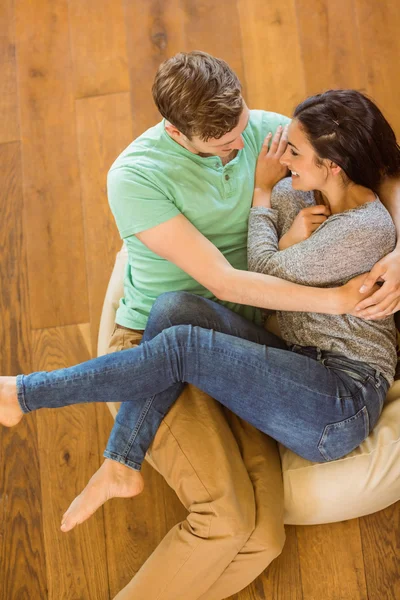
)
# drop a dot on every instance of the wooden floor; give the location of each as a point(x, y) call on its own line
point(75, 89)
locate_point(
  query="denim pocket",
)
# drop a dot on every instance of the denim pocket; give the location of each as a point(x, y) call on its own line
point(338, 439)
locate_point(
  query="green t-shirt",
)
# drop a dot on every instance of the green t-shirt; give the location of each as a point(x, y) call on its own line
point(154, 180)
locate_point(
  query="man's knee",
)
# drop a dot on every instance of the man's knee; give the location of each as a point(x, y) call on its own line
point(266, 544)
point(230, 527)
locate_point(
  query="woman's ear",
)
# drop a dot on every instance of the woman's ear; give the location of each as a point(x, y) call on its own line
point(334, 168)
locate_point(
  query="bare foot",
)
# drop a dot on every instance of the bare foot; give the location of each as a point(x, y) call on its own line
point(112, 480)
point(10, 410)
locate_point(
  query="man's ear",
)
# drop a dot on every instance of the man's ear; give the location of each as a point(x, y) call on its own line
point(172, 130)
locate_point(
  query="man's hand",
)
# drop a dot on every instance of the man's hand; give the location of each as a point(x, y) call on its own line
point(349, 295)
point(386, 300)
point(306, 222)
point(269, 169)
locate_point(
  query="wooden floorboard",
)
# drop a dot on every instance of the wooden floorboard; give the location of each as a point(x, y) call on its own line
point(155, 30)
point(22, 564)
point(69, 453)
point(271, 52)
point(98, 49)
point(98, 145)
point(9, 121)
point(330, 46)
point(53, 212)
point(331, 561)
point(381, 550)
point(76, 89)
point(380, 48)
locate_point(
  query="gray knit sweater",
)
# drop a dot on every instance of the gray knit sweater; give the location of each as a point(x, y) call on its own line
point(345, 245)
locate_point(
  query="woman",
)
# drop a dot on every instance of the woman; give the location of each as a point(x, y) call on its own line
point(320, 389)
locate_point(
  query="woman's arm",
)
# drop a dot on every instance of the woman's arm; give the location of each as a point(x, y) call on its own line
point(262, 239)
point(343, 247)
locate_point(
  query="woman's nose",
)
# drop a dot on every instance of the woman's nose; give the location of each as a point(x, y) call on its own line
point(284, 160)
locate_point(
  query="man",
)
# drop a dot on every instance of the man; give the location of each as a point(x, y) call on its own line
point(181, 195)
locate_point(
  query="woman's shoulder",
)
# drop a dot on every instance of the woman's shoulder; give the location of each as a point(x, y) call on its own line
point(372, 213)
point(368, 225)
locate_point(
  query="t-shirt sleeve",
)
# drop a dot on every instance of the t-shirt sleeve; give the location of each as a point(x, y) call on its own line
point(136, 203)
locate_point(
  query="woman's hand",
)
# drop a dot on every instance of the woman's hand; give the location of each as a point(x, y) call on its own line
point(269, 169)
point(305, 223)
point(386, 300)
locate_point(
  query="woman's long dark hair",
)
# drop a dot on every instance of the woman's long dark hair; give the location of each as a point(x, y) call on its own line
point(346, 127)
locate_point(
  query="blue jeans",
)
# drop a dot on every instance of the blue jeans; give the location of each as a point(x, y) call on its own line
point(319, 404)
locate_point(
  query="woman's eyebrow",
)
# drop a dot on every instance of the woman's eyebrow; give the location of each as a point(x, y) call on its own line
point(293, 146)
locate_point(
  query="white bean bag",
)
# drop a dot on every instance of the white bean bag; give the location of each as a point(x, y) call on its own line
point(365, 481)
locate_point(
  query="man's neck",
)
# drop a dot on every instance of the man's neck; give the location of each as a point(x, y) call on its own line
point(231, 156)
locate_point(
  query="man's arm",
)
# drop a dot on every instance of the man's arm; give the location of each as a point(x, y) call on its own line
point(389, 194)
point(386, 300)
point(178, 241)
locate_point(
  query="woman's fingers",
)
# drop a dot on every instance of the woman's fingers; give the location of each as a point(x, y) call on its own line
point(320, 209)
point(384, 314)
point(267, 139)
point(381, 304)
point(283, 141)
point(279, 142)
point(275, 145)
point(275, 141)
point(318, 219)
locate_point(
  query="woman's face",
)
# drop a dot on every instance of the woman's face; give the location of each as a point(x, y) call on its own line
point(300, 157)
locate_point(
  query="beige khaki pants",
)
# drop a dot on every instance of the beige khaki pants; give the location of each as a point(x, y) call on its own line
point(228, 476)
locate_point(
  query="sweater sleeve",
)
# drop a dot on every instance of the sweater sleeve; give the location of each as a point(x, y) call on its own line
point(262, 242)
point(267, 225)
point(344, 246)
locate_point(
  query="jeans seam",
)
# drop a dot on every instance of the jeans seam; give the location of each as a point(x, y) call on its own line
point(21, 394)
point(338, 426)
point(138, 426)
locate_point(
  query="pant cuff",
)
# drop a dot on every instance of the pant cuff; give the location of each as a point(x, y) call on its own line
point(21, 394)
point(124, 461)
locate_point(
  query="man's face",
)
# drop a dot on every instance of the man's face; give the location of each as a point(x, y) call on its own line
point(221, 147)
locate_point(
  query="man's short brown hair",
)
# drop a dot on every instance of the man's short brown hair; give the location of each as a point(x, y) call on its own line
point(199, 94)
